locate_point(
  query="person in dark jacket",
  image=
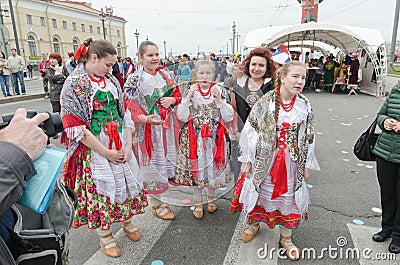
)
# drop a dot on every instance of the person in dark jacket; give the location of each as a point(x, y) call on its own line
point(21, 142)
point(387, 151)
point(259, 76)
point(54, 73)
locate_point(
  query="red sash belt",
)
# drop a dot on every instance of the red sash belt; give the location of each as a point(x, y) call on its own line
point(278, 172)
point(113, 136)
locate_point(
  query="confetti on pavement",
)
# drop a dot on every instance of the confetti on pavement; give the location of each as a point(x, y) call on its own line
point(319, 132)
point(345, 160)
point(339, 142)
point(369, 166)
point(345, 152)
point(376, 210)
point(360, 164)
point(157, 262)
point(354, 171)
point(358, 222)
point(186, 201)
point(310, 186)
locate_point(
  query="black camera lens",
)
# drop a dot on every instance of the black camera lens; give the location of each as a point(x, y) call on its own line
point(53, 125)
point(50, 127)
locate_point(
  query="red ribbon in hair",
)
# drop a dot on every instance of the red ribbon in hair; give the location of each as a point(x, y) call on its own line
point(82, 50)
point(278, 172)
point(113, 136)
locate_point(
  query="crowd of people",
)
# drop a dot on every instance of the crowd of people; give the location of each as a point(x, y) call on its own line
point(329, 74)
point(133, 130)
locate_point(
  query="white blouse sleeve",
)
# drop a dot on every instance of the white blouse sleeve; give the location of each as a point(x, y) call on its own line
point(75, 133)
point(226, 110)
point(128, 120)
point(248, 144)
point(183, 110)
point(311, 161)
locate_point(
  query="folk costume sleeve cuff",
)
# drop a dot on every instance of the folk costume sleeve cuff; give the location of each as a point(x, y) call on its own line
point(128, 120)
point(248, 144)
point(183, 111)
point(226, 110)
point(311, 161)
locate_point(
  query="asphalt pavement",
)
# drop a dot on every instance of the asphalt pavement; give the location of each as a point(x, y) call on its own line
point(33, 87)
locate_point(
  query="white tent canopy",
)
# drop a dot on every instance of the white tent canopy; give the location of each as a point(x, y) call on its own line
point(338, 37)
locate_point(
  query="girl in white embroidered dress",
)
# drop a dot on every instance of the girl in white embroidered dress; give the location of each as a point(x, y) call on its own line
point(202, 150)
point(288, 123)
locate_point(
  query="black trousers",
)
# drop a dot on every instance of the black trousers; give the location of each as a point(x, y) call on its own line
point(389, 182)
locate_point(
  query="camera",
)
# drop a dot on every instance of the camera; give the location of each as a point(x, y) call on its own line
point(52, 126)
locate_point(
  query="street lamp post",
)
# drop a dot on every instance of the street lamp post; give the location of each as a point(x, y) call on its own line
point(237, 41)
point(10, 4)
point(103, 18)
point(233, 39)
point(4, 31)
point(165, 49)
point(136, 34)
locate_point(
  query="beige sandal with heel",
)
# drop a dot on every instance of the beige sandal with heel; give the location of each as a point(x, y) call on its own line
point(198, 211)
point(292, 252)
point(252, 231)
point(110, 247)
point(167, 216)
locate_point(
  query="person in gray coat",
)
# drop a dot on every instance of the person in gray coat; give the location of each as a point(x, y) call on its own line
point(21, 142)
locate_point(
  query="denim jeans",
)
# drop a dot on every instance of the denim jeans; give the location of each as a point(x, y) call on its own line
point(16, 76)
point(5, 86)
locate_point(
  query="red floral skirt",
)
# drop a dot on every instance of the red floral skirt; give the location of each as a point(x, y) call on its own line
point(259, 214)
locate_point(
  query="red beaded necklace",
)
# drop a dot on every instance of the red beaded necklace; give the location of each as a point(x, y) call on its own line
point(207, 94)
point(288, 106)
point(101, 79)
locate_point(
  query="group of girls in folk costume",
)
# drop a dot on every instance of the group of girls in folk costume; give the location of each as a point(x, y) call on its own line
point(121, 146)
point(100, 167)
point(202, 158)
point(151, 95)
point(277, 144)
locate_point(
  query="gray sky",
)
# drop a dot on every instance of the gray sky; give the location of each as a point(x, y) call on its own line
point(189, 25)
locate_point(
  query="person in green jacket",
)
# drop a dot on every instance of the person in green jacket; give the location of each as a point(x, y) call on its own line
point(387, 151)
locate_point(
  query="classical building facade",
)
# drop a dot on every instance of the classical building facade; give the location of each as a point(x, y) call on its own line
point(46, 26)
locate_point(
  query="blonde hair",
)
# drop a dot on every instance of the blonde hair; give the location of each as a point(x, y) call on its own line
point(205, 62)
point(143, 45)
point(282, 72)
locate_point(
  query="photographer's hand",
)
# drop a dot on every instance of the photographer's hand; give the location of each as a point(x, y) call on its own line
point(25, 133)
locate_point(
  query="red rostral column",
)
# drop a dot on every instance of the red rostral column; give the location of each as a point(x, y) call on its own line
point(309, 10)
